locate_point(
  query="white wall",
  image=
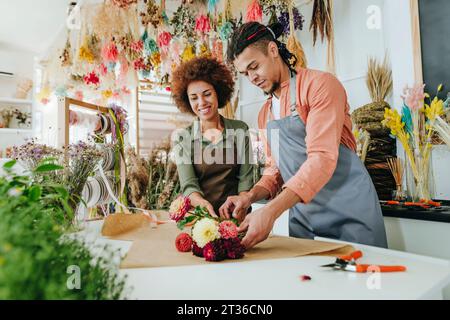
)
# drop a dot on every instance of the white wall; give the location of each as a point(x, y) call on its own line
point(20, 63)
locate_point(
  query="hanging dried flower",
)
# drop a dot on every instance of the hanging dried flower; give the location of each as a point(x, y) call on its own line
point(85, 53)
point(124, 4)
point(102, 69)
point(183, 23)
point(321, 20)
point(91, 79)
point(202, 24)
point(110, 53)
point(204, 51)
point(155, 59)
point(138, 64)
point(175, 51)
point(66, 55)
point(150, 45)
point(152, 14)
point(225, 30)
point(188, 53)
point(164, 40)
point(146, 67)
point(298, 21)
point(218, 50)
point(131, 48)
point(254, 12)
point(109, 20)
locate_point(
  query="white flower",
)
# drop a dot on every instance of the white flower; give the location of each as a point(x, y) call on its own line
point(204, 231)
point(14, 192)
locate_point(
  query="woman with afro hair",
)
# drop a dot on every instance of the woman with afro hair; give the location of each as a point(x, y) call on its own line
point(213, 155)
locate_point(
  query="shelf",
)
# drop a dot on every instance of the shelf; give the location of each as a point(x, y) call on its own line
point(15, 101)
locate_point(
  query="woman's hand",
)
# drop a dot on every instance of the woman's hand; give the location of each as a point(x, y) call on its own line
point(236, 207)
point(198, 200)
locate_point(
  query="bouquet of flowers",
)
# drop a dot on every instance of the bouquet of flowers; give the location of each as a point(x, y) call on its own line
point(211, 238)
point(414, 128)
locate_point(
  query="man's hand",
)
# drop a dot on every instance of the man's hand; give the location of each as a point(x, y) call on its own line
point(236, 206)
point(258, 225)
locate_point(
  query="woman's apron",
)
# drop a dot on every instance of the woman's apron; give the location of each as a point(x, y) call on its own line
point(218, 181)
point(347, 207)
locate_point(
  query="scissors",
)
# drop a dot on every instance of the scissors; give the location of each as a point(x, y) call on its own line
point(348, 263)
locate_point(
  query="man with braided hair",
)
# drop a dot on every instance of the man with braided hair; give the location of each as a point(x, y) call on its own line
point(312, 166)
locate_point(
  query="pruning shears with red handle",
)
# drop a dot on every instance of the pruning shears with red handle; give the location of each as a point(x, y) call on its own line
point(348, 263)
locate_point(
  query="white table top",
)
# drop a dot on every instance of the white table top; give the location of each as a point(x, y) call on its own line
point(279, 278)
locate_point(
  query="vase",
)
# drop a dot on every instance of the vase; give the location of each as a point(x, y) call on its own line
point(420, 187)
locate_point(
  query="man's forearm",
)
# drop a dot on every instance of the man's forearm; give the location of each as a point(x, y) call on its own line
point(258, 193)
point(282, 202)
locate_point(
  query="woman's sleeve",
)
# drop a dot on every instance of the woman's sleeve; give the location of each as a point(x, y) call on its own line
point(246, 169)
point(182, 153)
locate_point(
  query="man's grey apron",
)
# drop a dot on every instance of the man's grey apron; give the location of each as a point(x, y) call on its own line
point(347, 207)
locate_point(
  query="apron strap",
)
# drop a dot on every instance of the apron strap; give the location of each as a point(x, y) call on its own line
point(292, 103)
point(292, 98)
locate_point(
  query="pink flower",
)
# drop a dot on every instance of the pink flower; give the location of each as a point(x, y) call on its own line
point(110, 53)
point(202, 24)
point(413, 97)
point(164, 39)
point(79, 95)
point(102, 69)
point(179, 207)
point(254, 12)
point(228, 229)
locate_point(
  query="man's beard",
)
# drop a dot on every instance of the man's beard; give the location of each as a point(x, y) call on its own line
point(274, 87)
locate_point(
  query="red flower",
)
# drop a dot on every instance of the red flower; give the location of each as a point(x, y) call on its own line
point(179, 207)
point(233, 247)
point(196, 250)
point(183, 242)
point(228, 229)
point(214, 251)
point(139, 64)
point(91, 78)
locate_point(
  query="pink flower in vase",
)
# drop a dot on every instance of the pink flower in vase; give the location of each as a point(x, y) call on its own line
point(414, 97)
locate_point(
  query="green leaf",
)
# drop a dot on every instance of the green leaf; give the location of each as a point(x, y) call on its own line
point(182, 223)
point(34, 193)
point(62, 191)
point(48, 167)
point(9, 164)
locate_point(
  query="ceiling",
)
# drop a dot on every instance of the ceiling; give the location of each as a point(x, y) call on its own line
point(31, 25)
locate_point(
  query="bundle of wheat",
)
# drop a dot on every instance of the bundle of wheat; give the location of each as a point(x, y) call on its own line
point(369, 117)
